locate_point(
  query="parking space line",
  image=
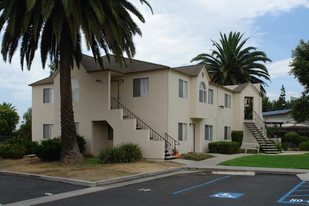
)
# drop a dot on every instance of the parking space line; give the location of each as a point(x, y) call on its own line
point(296, 199)
point(221, 178)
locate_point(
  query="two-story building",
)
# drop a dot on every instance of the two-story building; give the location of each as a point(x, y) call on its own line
point(155, 106)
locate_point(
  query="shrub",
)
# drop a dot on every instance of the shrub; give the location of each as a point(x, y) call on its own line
point(291, 138)
point(224, 147)
point(196, 156)
point(304, 146)
point(303, 139)
point(122, 154)
point(16, 148)
point(132, 152)
point(49, 150)
point(237, 136)
point(284, 146)
point(81, 143)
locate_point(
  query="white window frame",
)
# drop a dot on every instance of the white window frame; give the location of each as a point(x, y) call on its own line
point(183, 89)
point(182, 131)
point(48, 131)
point(141, 87)
point(209, 132)
point(48, 95)
point(227, 101)
point(227, 133)
point(202, 92)
point(210, 96)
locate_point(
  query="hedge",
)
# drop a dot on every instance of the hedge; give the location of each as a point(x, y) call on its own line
point(16, 148)
point(237, 136)
point(224, 147)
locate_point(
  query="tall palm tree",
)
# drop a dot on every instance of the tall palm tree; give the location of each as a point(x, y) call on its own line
point(58, 26)
point(232, 64)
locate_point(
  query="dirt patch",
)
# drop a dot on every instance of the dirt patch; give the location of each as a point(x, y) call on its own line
point(90, 170)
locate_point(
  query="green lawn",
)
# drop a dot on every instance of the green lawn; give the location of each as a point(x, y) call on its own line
point(272, 161)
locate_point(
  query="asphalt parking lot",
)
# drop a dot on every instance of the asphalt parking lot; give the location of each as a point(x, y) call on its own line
point(17, 188)
point(201, 189)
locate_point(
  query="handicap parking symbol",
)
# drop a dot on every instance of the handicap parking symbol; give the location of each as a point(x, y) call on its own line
point(227, 195)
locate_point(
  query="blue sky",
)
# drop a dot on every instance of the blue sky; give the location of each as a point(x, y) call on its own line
point(179, 30)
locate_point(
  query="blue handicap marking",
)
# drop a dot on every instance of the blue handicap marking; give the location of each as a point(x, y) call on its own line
point(227, 195)
point(298, 195)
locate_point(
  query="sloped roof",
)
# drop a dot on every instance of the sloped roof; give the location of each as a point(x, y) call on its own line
point(48, 80)
point(129, 66)
point(192, 70)
point(277, 112)
point(240, 87)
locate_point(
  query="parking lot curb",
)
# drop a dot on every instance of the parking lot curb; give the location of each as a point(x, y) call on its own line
point(97, 183)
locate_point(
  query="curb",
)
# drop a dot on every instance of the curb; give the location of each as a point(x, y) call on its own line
point(97, 183)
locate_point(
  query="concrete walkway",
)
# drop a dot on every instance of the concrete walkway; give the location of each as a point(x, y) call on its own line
point(212, 164)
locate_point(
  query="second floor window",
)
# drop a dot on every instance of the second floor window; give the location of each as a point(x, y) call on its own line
point(210, 96)
point(227, 101)
point(202, 92)
point(75, 90)
point(141, 87)
point(183, 89)
point(48, 95)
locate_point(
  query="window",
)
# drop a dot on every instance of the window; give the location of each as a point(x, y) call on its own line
point(227, 101)
point(75, 90)
point(141, 87)
point(48, 95)
point(210, 96)
point(77, 127)
point(182, 131)
point(227, 133)
point(183, 89)
point(110, 132)
point(208, 132)
point(202, 92)
point(48, 131)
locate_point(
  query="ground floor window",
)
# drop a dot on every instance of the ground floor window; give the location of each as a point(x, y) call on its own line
point(227, 133)
point(208, 132)
point(48, 131)
point(182, 131)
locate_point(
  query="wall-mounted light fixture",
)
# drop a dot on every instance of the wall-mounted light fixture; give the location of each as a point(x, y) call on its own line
point(121, 80)
point(98, 81)
point(221, 106)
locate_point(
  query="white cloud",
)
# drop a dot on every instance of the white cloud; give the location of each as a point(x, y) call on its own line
point(279, 69)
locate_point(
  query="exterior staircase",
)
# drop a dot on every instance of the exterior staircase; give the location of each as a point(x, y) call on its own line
point(257, 131)
point(170, 143)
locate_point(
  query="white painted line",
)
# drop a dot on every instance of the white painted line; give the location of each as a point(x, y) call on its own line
point(233, 173)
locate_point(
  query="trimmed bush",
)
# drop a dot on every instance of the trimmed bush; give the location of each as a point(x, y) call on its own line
point(303, 139)
point(237, 136)
point(49, 150)
point(16, 148)
point(284, 146)
point(81, 143)
point(195, 156)
point(292, 139)
point(304, 146)
point(124, 153)
point(224, 147)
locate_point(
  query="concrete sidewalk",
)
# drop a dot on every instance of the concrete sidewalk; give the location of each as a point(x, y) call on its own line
point(212, 164)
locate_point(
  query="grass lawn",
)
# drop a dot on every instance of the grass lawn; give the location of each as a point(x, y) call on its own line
point(90, 170)
point(272, 161)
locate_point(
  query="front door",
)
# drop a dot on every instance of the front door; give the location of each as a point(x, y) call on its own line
point(115, 89)
point(248, 108)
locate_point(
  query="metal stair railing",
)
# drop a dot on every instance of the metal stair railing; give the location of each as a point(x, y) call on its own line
point(140, 124)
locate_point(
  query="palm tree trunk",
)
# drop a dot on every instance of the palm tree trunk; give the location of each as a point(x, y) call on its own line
point(69, 149)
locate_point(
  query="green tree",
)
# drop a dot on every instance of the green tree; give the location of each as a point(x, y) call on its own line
point(25, 129)
point(300, 64)
point(8, 119)
point(281, 103)
point(266, 104)
point(58, 25)
point(300, 110)
point(232, 64)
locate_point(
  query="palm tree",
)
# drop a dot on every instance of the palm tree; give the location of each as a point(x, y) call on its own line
point(58, 26)
point(232, 64)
